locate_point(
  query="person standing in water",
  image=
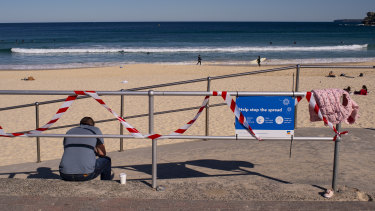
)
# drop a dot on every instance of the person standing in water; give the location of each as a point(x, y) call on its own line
point(258, 61)
point(199, 60)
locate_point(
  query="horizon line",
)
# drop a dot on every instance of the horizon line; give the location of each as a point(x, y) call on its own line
point(204, 21)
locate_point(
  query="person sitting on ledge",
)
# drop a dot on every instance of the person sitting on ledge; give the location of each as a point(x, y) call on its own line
point(79, 162)
point(363, 91)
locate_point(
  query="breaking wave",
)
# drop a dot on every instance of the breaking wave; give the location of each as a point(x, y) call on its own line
point(234, 49)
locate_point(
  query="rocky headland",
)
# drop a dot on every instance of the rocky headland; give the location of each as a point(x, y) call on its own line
point(370, 19)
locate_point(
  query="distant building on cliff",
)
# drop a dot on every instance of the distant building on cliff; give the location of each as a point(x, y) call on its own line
point(370, 19)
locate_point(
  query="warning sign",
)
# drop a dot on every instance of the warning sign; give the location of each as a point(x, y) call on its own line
point(268, 116)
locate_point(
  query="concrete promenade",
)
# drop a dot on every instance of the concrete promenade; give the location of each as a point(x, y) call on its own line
point(211, 175)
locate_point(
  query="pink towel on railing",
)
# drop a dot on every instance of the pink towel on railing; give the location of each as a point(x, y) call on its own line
point(331, 106)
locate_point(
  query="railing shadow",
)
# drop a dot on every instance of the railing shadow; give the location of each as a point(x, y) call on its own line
point(40, 173)
point(44, 173)
point(180, 170)
point(177, 170)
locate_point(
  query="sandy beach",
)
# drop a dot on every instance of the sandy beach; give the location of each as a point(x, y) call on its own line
point(20, 150)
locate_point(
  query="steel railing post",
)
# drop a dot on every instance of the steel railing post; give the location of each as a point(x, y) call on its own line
point(154, 141)
point(208, 108)
point(298, 67)
point(121, 126)
point(37, 138)
point(336, 159)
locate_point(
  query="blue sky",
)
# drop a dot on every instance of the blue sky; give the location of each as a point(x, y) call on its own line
point(181, 10)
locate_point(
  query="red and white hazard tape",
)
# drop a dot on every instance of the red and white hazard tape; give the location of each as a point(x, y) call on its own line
point(234, 108)
point(230, 102)
point(191, 122)
point(312, 103)
point(64, 107)
point(299, 98)
point(134, 132)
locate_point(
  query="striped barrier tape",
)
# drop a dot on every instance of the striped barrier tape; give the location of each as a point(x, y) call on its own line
point(64, 107)
point(133, 131)
point(312, 103)
point(230, 102)
point(299, 98)
point(311, 99)
point(191, 122)
point(234, 108)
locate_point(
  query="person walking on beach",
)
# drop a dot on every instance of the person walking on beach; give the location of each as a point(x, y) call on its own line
point(258, 61)
point(79, 162)
point(199, 60)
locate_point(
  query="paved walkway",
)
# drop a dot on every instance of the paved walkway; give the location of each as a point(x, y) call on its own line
point(49, 203)
point(229, 174)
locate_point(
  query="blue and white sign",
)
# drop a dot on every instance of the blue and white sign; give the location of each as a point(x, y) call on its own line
point(268, 116)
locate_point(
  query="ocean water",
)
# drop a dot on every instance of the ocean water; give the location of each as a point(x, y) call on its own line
point(67, 45)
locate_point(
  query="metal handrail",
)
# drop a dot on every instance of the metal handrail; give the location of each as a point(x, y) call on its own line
point(40, 103)
point(337, 66)
point(211, 78)
point(161, 85)
point(155, 93)
point(116, 136)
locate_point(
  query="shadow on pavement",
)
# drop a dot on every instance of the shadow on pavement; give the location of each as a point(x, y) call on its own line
point(40, 173)
point(186, 169)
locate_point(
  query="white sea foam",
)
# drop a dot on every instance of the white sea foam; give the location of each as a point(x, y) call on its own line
point(317, 61)
point(122, 64)
point(294, 61)
point(232, 49)
point(59, 66)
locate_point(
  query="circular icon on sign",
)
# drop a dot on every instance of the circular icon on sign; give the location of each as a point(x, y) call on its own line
point(286, 101)
point(260, 120)
point(289, 109)
point(279, 120)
